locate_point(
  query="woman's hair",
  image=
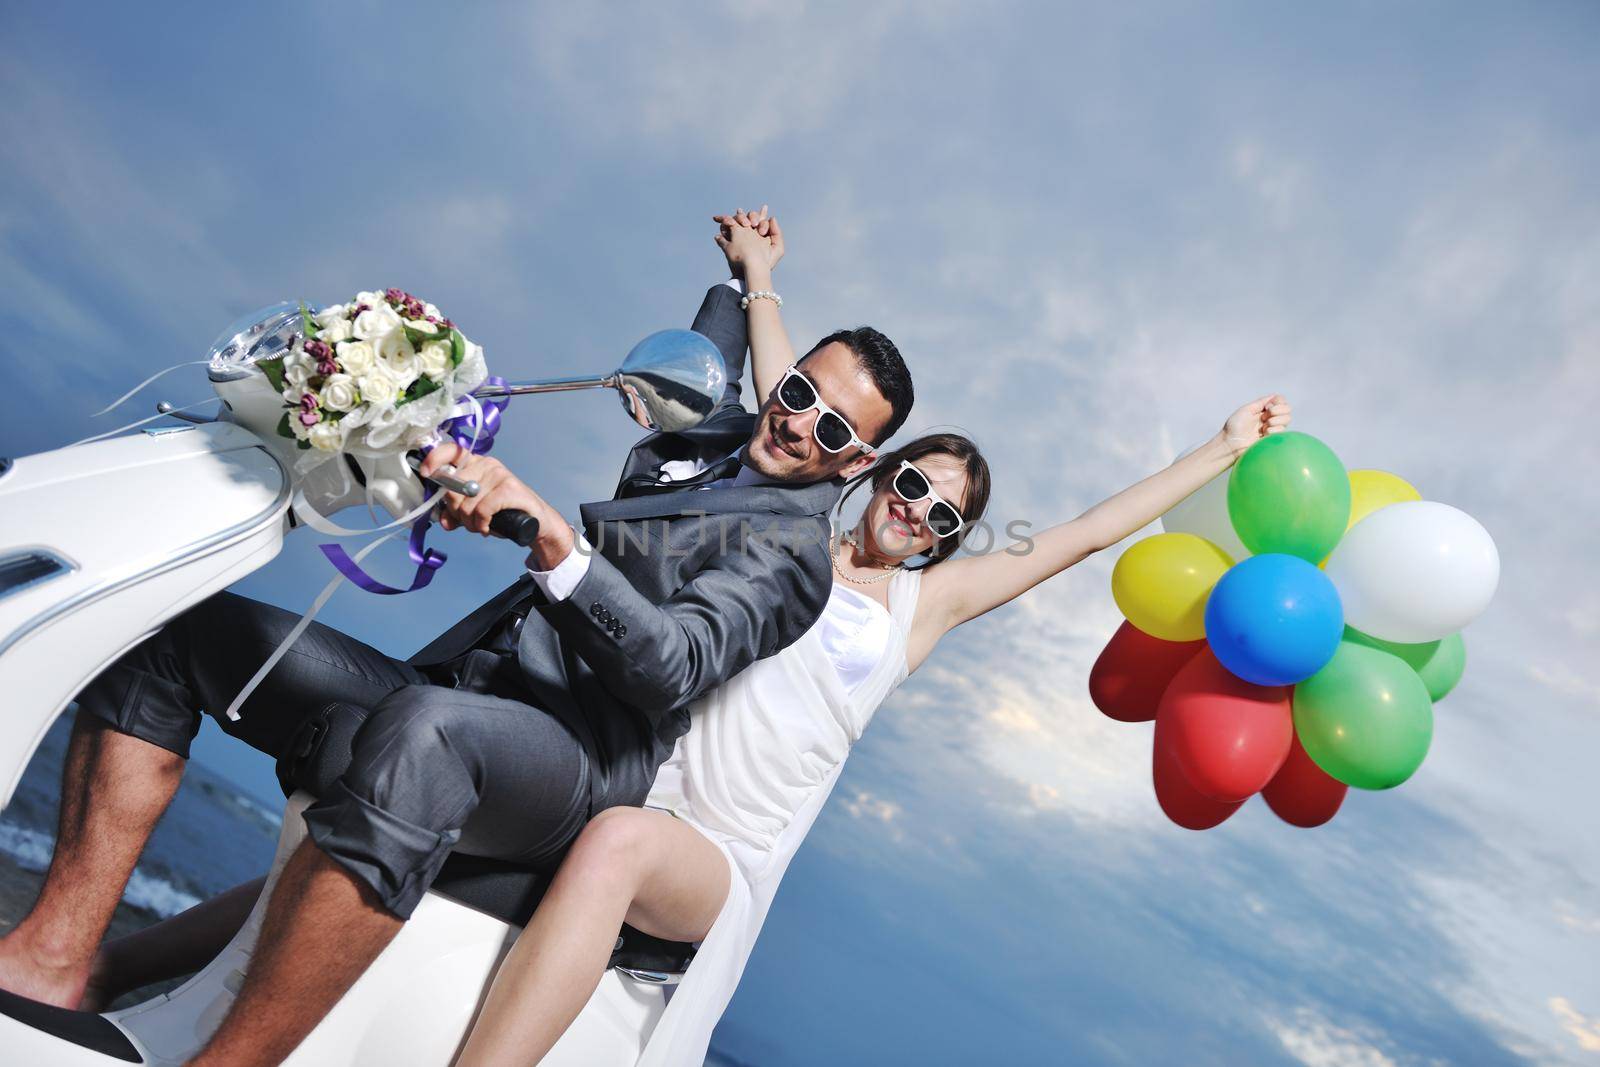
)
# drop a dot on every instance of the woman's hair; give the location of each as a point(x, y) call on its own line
point(954, 445)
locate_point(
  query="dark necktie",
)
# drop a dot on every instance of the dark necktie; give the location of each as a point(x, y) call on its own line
point(645, 484)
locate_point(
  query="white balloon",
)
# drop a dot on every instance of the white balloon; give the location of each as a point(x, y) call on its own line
point(1204, 513)
point(1414, 571)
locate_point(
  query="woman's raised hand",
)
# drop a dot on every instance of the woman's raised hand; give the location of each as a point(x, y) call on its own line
point(1264, 415)
point(749, 238)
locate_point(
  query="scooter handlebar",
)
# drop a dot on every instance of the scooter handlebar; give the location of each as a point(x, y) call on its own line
point(515, 526)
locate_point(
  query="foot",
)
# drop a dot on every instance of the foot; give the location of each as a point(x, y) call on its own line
point(34, 975)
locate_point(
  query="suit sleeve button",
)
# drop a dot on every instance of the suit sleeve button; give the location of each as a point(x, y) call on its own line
point(595, 609)
point(622, 629)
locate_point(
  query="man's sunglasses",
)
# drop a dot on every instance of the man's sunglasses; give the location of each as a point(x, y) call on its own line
point(832, 432)
point(912, 485)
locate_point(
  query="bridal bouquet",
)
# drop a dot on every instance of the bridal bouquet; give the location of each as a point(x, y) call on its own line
point(376, 376)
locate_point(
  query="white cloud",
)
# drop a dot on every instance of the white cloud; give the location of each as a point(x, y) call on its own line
point(1316, 1042)
point(1087, 267)
point(1566, 681)
point(731, 80)
point(1585, 1029)
point(1276, 182)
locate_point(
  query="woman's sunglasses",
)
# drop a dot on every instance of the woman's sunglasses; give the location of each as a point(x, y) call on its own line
point(832, 432)
point(912, 485)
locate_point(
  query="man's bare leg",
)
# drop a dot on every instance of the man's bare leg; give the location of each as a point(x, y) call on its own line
point(114, 788)
point(323, 928)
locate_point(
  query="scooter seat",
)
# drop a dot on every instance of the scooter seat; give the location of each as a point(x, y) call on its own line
point(320, 753)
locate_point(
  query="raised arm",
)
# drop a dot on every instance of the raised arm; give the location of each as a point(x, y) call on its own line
point(753, 243)
point(965, 588)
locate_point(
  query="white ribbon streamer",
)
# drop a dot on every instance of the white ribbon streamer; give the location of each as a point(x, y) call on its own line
point(317, 521)
point(125, 397)
point(141, 422)
point(300, 628)
point(303, 509)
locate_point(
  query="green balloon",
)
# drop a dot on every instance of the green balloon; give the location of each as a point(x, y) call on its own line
point(1365, 718)
point(1289, 493)
point(1440, 664)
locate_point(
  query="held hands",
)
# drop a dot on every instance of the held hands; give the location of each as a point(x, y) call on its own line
point(752, 241)
point(1257, 419)
point(498, 490)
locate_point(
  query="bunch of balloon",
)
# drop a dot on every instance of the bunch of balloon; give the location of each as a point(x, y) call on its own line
point(1289, 633)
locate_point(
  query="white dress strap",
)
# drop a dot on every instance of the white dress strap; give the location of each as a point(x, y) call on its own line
point(904, 588)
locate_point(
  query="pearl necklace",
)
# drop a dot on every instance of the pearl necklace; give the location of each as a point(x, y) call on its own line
point(839, 544)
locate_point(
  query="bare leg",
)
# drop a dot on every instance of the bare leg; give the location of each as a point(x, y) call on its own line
point(48, 956)
point(645, 868)
point(323, 928)
point(171, 948)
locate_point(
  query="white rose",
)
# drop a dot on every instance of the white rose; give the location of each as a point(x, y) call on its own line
point(327, 436)
point(355, 357)
point(431, 310)
point(329, 315)
point(339, 393)
point(296, 374)
point(397, 357)
point(370, 299)
point(376, 321)
point(377, 387)
point(434, 360)
point(423, 325)
point(291, 395)
point(335, 332)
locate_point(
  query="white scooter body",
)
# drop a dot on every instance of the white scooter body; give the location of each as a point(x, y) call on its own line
point(118, 536)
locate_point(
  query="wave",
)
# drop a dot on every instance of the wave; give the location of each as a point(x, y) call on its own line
point(270, 818)
point(32, 850)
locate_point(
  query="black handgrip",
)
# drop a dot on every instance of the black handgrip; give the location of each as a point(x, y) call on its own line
point(516, 526)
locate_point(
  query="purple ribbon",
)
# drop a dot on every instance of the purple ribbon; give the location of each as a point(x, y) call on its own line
point(473, 434)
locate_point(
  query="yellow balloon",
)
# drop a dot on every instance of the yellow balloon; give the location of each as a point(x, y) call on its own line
point(1161, 584)
point(1371, 490)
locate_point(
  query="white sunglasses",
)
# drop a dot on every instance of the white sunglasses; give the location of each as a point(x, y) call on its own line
point(832, 430)
point(912, 485)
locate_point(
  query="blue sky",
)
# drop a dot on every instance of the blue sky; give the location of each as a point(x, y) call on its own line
point(1094, 231)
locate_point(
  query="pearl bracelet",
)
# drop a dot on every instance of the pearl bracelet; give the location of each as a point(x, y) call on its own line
point(760, 294)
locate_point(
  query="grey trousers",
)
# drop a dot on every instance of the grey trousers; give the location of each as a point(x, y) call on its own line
point(435, 769)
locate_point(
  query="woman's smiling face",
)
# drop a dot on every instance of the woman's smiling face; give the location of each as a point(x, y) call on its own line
point(897, 528)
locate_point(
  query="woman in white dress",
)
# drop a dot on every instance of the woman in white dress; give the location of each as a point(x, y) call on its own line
point(702, 861)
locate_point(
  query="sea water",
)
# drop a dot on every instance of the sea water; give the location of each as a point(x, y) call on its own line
point(213, 837)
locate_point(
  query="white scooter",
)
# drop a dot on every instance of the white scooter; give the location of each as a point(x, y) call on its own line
point(74, 596)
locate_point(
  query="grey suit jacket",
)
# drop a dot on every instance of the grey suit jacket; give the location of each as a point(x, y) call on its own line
point(685, 589)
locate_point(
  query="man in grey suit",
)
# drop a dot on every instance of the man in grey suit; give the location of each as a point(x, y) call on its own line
point(556, 699)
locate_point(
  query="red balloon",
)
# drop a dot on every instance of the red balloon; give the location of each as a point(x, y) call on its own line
point(1229, 736)
point(1183, 803)
point(1131, 674)
point(1301, 793)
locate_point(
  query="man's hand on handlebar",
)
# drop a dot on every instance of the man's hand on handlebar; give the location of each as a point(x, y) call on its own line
point(498, 490)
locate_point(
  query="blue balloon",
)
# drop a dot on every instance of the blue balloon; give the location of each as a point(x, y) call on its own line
point(1274, 619)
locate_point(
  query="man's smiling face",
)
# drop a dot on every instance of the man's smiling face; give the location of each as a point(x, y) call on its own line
point(782, 446)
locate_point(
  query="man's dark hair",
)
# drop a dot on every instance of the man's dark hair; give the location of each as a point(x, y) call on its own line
point(881, 360)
